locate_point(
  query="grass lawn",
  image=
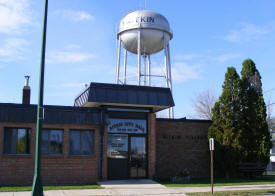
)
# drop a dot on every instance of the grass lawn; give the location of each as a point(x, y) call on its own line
point(231, 193)
point(223, 182)
point(45, 188)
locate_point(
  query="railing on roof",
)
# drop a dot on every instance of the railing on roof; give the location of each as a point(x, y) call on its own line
point(82, 98)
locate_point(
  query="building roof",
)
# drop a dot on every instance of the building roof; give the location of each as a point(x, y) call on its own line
point(102, 94)
point(52, 114)
point(184, 120)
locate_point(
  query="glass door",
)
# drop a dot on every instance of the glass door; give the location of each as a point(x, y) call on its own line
point(117, 153)
point(137, 157)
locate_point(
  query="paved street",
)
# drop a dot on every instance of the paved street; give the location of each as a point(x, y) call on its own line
point(138, 188)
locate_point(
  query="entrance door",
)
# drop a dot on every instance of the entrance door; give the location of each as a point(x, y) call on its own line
point(117, 153)
point(137, 157)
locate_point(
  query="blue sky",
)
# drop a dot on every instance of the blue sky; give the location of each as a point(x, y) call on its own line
point(208, 37)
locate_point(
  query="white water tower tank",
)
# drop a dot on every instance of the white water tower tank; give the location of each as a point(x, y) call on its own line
point(154, 32)
point(144, 33)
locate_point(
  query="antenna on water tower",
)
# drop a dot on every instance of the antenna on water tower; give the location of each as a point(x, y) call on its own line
point(145, 4)
point(144, 33)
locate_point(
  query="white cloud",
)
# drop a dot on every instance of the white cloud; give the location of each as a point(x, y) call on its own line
point(248, 32)
point(14, 14)
point(75, 88)
point(203, 58)
point(68, 57)
point(226, 57)
point(75, 15)
point(131, 71)
point(182, 72)
point(12, 49)
point(71, 85)
point(184, 57)
point(72, 46)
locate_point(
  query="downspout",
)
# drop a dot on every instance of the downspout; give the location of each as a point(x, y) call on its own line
point(101, 142)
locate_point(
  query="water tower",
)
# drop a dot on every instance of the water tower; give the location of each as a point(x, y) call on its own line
point(144, 33)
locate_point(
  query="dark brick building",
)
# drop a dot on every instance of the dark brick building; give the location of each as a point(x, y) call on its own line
point(111, 132)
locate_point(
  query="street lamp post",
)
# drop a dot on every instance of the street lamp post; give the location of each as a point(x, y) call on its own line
point(211, 148)
point(37, 188)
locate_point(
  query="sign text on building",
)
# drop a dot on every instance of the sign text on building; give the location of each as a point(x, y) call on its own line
point(127, 126)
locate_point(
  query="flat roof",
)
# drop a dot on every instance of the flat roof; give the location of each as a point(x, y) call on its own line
point(105, 94)
point(183, 120)
point(52, 114)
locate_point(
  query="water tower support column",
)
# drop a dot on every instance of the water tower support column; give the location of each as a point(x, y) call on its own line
point(118, 60)
point(169, 67)
point(138, 48)
point(171, 110)
point(166, 63)
point(124, 66)
point(144, 69)
point(149, 70)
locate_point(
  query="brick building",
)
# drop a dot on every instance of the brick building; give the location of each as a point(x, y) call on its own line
point(111, 132)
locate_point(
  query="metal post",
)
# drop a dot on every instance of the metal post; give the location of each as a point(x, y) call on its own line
point(149, 70)
point(124, 66)
point(170, 76)
point(37, 188)
point(211, 154)
point(118, 60)
point(169, 67)
point(166, 68)
point(144, 69)
point(138, 48)
point(211, 148)
point(165, 64)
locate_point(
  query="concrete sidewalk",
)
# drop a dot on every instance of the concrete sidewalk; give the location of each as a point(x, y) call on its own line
point(227, 188)
point(139, 188)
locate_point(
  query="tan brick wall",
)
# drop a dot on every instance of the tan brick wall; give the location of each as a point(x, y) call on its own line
point(64, 169)
point(182, 145)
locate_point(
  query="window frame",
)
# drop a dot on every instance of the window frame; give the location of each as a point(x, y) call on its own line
point(49, 146)
point(28, 142)
point(80, 142)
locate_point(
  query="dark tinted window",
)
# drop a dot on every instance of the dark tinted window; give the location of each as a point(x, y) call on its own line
point(52, 141)
point(81, 142)
point(17, 141)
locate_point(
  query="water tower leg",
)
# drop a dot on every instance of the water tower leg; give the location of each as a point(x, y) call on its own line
point(149, 70)
point(166, 64)
point(169, 67)
point(124, 66)
point(170, 78)
point(118, 60)
point(144, 69)
point(138, 48)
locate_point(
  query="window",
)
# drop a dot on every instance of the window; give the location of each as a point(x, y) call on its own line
point(52, 141)
point(81, 142)
point(273, 142)
point(17, 140)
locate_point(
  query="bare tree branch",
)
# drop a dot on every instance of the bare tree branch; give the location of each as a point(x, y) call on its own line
point(269, 111)
point(203, 104)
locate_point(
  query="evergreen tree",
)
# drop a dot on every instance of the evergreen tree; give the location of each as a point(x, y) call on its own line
point(255, 138)
point(226, 129)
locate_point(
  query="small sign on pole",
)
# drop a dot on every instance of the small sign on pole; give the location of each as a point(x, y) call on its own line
point(211, 144)
point(211, 148)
